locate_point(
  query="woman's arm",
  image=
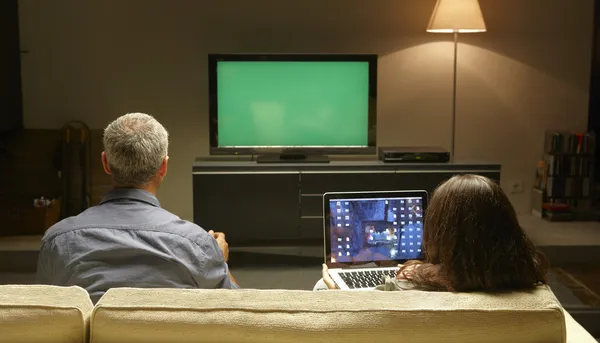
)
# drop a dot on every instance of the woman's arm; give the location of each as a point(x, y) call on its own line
point(327, 278)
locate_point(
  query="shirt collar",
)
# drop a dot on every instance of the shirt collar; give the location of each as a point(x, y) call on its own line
point(131, 194)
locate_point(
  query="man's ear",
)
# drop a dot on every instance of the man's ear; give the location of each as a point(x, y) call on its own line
point(163, 167)
point(105, 164)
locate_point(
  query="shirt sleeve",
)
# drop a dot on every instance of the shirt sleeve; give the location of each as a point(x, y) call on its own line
point(393, 284)
point(213, 272)
point(43, 273)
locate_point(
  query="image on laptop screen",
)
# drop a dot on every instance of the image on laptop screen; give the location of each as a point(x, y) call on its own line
point(376, 229)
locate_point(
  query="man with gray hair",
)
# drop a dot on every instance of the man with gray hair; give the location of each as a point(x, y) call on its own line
point(128, 240)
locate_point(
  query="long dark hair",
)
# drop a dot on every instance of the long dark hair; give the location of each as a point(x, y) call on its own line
point(473, 241)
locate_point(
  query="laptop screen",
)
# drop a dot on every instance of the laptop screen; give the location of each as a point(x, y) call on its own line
point(384, 227)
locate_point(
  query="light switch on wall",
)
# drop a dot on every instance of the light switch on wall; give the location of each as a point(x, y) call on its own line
point(516, 186)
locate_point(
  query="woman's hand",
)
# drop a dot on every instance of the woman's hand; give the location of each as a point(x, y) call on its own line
point(405, 272)
point(327, 278)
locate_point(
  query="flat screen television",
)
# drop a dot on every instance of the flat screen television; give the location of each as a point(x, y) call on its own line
point(292, 105)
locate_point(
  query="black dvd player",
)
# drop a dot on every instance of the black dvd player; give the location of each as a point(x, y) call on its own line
point(413, 155)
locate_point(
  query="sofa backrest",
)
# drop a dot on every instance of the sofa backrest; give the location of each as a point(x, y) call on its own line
point(44, 314)
point(161, 315)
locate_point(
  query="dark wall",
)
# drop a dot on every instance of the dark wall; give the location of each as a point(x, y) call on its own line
point(94, 60)
point(594, 112)
point(11, 109)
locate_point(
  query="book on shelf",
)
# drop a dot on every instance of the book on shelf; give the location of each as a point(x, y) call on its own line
point(561, 142)
point(540, 175)
point(565, 173)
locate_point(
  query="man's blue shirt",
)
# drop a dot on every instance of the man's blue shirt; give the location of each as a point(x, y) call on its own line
point(128, 240)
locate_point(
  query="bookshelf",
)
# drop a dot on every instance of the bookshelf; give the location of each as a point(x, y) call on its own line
point(564, 183)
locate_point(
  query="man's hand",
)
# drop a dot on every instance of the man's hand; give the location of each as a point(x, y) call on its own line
point(220, 237)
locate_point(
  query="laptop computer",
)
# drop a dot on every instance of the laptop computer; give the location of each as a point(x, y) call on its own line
point(367, 234)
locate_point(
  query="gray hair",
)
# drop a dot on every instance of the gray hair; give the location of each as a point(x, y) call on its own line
point(135, 145)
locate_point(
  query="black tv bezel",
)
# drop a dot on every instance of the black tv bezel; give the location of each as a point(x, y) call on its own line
point(329, 196)
point(213, 107)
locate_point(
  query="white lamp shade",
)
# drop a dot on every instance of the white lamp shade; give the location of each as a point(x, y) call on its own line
point(463, 16)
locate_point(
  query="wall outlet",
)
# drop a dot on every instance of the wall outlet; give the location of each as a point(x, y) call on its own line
point(516, 186)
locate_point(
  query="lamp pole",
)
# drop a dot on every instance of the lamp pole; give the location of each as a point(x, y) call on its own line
point(454, 95)
point(456, 16)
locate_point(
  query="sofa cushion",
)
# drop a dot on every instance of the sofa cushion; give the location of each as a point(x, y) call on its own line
point(45, 314)
point(575, 332)
point(161, 315)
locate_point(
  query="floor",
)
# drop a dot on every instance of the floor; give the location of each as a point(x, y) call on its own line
point(583, 280)
point(544, 233)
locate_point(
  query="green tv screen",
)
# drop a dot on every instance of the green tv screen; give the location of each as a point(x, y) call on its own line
point(282, 104)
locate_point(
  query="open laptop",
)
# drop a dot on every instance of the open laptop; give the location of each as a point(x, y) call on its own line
point(367, 234)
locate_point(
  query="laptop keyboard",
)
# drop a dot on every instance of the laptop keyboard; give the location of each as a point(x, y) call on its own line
point(366, 278)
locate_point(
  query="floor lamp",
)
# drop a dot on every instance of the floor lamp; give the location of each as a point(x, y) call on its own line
point(456, 16)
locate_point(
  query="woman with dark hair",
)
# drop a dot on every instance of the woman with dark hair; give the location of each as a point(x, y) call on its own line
point(472, 242)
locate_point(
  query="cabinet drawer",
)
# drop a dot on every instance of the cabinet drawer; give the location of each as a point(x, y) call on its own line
point(377, 180)
point(428, 181)
point(312, 228)
point(319, 183)
point(311, 205)
point(248, 207)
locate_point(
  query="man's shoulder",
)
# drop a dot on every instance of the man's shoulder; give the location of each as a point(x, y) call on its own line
point(63, 226)
point(181, 227)
point(161, 221)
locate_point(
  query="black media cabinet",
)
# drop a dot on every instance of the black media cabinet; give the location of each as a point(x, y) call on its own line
point(279, 204)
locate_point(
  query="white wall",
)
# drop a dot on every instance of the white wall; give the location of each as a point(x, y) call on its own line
point(97, 59)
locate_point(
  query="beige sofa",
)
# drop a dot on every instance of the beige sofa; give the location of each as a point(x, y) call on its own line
point(56, 314)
